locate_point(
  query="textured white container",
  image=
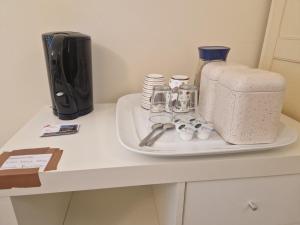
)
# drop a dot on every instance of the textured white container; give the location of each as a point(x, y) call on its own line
point(209, 79)
point(248, 106)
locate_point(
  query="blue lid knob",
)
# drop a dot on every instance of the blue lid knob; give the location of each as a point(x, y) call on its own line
point(209, 53)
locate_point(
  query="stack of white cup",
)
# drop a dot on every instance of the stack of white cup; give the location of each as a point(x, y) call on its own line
point(150, 81)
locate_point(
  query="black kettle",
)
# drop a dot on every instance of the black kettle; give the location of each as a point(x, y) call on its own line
point(69, 67)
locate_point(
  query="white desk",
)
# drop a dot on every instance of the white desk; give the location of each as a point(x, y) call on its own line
point(94, 159)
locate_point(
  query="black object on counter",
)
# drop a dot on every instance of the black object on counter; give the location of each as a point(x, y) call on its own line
point(69, 67)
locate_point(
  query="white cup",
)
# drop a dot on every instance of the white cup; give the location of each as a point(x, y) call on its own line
point(154, 76)
point(177, 80)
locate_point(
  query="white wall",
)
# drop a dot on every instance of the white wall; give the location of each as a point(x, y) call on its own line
point(130, 38)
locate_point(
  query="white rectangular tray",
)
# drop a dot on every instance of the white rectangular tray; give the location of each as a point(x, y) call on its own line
point(133, 125)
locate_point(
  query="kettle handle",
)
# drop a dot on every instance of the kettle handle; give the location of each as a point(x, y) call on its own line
point(62, 90)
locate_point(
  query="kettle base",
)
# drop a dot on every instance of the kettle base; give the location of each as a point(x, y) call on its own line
point(73, 115)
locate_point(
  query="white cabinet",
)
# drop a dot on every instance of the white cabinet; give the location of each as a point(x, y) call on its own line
point(252, 201)
point(160, 204)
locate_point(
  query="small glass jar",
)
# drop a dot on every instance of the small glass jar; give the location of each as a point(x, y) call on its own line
point(209, 54)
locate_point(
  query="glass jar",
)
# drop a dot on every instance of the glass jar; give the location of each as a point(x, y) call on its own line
point(161, 102)
point(209, 54)
point(186, 103)
point(175, 82)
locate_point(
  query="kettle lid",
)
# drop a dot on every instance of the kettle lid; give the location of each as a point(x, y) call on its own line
point(69, 34)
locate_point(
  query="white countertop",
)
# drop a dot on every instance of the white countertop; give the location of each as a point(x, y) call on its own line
point(94, 159)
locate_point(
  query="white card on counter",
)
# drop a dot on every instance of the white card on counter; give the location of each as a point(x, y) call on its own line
point(27, 161)
point(59, 129)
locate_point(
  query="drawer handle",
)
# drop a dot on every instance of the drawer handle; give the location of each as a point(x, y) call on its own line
point(252, 206)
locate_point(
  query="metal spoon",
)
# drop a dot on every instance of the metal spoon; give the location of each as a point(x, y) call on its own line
point(167, 126)
point(154, 127)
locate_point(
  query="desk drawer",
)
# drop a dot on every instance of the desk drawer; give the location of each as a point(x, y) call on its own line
point(255, 201)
